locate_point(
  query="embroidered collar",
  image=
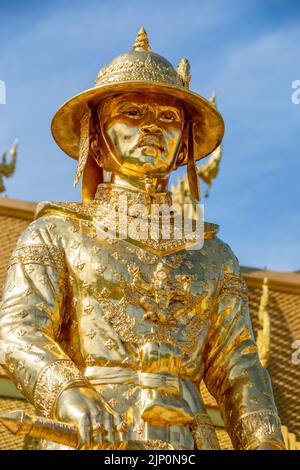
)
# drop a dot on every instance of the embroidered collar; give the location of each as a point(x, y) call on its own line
point(111, 195)
point(107, 202)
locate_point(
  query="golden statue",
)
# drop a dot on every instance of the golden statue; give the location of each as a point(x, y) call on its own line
point(110, 336)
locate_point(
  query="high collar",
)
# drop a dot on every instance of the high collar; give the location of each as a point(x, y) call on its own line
point(113, 197)
point(92, 214)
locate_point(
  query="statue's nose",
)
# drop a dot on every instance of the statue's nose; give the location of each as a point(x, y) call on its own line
point(151, 129)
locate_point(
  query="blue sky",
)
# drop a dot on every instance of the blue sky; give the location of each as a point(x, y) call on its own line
point(246, 50)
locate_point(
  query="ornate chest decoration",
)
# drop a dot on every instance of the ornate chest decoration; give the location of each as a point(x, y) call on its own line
point(161, 309)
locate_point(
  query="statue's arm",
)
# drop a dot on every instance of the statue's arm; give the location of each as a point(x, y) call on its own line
point(233, 372)
point(31, 317)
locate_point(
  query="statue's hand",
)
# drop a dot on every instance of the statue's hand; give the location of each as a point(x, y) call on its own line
point(81, 406)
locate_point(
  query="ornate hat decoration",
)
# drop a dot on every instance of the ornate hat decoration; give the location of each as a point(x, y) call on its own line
point(145, 71)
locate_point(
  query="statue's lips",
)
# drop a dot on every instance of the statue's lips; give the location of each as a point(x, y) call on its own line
point(151, 141)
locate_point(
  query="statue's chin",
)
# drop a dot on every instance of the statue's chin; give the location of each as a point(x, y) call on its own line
point(150, 151)
point(154, 169)
point(148, 167)
point(145, 161)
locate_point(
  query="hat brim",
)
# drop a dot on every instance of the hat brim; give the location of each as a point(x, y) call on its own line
point(207, 121)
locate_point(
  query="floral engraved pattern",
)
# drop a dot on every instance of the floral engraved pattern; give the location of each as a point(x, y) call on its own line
point(52, 380)
point(47, 255)
point(172, 310)
point(234, 285)
point(254, 427)
point(144, 70)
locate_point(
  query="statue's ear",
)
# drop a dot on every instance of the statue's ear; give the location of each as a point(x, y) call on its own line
point(182, 152)
point(100, 147)
point(182, 155)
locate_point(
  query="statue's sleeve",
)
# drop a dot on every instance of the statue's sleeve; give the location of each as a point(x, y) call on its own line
point(31, 314)
point(234, 374)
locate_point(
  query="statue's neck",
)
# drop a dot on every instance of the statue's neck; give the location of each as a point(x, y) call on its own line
point(151, 185)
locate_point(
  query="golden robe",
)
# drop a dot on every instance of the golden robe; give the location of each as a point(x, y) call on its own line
point(143, 326)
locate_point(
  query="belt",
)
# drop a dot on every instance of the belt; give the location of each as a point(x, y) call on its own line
point(119, 375)
point(161, 392)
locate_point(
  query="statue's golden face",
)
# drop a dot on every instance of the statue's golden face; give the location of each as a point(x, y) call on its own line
point(143, 132)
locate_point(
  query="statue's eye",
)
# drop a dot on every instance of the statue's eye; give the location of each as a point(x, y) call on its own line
point(135, 113)
point(167, 116)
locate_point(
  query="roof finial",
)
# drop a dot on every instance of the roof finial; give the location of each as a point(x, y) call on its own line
point(142, 41)
point(263, 334)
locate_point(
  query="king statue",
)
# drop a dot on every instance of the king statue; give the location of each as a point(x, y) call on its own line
point(112, 335)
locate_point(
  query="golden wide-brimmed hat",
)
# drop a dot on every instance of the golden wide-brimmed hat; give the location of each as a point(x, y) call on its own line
point(140, 70)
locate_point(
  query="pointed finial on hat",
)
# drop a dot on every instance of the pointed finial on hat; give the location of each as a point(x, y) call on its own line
point(142, 41)
point(213, 99)
point(183, 71)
